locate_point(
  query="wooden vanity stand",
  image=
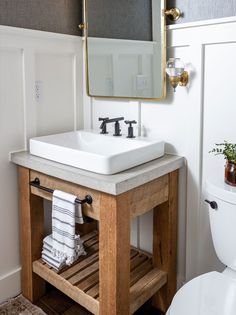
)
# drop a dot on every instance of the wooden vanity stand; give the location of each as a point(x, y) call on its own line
point(113, 278)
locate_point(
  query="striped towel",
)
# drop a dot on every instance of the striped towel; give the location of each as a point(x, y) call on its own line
point(63, 227)
point(78, 214)
point(52, 261)
point(48, 256)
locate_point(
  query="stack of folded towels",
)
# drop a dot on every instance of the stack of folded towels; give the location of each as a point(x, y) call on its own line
point(63, 246)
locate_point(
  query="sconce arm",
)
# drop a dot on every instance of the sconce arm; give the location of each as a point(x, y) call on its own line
point(173, 14)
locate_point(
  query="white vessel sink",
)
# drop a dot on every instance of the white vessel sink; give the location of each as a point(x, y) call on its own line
point(104, 154)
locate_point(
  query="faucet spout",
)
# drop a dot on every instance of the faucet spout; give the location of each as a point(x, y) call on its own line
point(103, 125)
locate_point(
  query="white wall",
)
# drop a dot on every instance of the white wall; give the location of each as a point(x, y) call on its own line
point(55, 62)
point(219, 125)
point(208, 50)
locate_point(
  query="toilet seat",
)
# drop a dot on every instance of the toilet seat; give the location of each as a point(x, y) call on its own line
point(212, 293)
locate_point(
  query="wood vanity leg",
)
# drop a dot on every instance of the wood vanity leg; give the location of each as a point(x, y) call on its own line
point(114, 256)
point(31, 230)
point(165, 243)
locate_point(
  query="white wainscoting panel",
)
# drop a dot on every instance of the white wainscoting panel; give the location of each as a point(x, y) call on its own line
point(190, 121)
point(55, 98)
point(186, 120)
point(219, 125)
point(11, 138)
point(55, 62)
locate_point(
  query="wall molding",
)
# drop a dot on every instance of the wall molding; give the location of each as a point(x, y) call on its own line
point(187, 41)
point(31, 42)
point(198, 36)
point(29, 56)
point(36, 33)
point(10, 284)
point(201, 23)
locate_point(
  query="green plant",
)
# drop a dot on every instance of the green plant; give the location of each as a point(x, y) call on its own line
point(227, 149)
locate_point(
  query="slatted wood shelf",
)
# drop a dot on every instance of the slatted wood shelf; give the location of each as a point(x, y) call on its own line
point(81, 281)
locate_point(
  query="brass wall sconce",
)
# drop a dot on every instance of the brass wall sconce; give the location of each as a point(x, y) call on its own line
point(177, 74)
point(173, 14)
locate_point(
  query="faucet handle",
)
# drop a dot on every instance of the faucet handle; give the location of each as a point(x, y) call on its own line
point(130, 122)
point(103, 119)
point(130, 128)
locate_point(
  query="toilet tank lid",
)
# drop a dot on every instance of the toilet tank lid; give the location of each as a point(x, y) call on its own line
point(210, 293)
point(219, 189)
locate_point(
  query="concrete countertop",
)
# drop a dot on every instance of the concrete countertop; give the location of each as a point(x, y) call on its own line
point(112, 184)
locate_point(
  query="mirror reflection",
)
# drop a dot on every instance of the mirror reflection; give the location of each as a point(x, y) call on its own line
point(125, 48)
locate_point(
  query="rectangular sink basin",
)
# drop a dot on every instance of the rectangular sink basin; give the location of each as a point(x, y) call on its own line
point(91, 151)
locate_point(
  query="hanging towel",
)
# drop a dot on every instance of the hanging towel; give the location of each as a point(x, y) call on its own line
point(78, 214)
point(63, 226)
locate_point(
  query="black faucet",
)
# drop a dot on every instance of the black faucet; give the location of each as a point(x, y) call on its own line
point(103, 125)
point(130, 128)
point(106, 121)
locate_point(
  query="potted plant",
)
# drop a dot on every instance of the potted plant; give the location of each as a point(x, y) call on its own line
point(228, 150)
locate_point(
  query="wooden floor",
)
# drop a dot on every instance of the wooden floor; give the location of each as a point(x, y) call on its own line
point(56, 303)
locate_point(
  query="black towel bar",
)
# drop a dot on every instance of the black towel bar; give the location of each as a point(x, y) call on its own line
point(36, 183)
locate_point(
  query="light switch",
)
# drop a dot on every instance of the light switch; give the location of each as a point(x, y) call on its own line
point(38, 91)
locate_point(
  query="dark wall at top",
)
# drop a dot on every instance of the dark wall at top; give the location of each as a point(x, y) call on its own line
point(120, 19)
point(63, 16)
point(198, 10)
point(59, 16)
point(131, 19)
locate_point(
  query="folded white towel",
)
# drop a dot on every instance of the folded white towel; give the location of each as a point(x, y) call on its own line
point(48, 240)
point(49, 248)
point(59, 262)
point(48, 257)
point(79, 247)
point(64, 244)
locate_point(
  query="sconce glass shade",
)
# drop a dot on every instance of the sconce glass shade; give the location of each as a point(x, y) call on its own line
point(174, 67)
point(176, 72)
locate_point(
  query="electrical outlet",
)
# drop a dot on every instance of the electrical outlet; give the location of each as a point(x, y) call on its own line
point(38, 91)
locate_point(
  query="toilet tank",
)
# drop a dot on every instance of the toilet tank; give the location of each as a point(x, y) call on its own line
point(223, 220)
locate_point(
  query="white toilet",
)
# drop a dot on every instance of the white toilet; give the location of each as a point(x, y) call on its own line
point(214, 293)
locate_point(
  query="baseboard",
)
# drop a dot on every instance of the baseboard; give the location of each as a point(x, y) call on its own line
point(180, 281)
point(10, 284)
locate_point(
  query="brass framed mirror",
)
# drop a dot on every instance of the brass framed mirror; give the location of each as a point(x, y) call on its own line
point(125, 48)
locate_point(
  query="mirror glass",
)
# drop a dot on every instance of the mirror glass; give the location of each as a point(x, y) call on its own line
point(125, 48)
